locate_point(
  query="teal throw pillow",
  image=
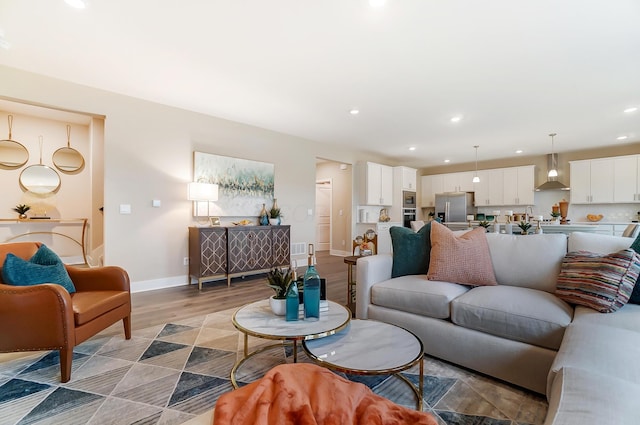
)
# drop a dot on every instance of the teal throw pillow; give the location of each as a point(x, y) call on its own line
point(44, 267)
point(635, 295)
point(411, 250)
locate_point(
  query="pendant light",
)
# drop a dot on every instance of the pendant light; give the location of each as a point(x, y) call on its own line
point(476, 179)
point(553, 172)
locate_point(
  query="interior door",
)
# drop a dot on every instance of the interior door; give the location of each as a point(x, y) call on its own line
point(323, 215)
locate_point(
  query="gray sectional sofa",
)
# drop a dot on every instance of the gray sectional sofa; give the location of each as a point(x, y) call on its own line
point(585, 362)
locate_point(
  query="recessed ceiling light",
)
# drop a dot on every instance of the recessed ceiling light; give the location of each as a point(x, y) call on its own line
point(629, 110)
point(519, 151)
point(446, 161)
point(78, 4)
point(412, 148)
point(456, 119)
point(354, 111)
point(621, 137)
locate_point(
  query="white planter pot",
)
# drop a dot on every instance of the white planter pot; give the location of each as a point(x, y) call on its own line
point(279, 307)
point(274, 221)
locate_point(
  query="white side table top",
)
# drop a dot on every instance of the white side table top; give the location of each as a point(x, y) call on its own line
point(369, 347)
point(257, 319)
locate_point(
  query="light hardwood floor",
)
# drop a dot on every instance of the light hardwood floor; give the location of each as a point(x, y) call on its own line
point(172, 304)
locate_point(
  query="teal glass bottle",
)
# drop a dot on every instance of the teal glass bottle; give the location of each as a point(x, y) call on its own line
point(311, 289)
point(293, 303)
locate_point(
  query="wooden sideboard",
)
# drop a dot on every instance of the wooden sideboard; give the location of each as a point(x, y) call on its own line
point(219, 252)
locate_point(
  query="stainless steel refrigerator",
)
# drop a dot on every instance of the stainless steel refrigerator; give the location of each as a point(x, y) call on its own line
point(454, 206)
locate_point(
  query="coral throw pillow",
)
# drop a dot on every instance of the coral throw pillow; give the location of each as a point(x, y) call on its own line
point(601, 282)
point(460, 259)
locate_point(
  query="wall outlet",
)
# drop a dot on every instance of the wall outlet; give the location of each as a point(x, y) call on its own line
point(185, 261)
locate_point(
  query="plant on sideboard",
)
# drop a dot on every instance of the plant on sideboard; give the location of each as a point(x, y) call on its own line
point(22, 210)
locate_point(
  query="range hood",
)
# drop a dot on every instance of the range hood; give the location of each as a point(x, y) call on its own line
point(551, 183)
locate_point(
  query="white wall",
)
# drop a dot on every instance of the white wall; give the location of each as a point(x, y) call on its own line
point(148, 154)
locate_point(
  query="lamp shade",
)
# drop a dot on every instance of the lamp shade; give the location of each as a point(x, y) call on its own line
point(202, 191)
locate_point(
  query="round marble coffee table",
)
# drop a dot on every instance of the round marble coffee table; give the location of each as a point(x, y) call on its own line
point(257, 319)
point(369, 347)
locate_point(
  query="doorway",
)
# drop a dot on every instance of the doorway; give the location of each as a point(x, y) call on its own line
point(324, 195)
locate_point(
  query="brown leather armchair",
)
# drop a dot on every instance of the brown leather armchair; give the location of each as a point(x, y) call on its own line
point(47, 317)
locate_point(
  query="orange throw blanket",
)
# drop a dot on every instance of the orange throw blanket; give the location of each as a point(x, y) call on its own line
point(306, 394)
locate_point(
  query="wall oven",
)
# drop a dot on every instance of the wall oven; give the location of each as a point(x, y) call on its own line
point(408, 215)
point(408, 199)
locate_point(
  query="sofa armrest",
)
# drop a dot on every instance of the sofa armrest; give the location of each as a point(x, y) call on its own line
point(38, 317)
point(108, 278)
point(369, 271)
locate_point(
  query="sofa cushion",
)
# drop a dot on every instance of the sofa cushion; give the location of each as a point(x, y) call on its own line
point(520, 314)
point(415, 294)
point(627, 317)
point(635, 295)
point(410, 250)
point(530, 262)
point(461, 259)
point(601, 282)
point(89, 305)
point(580, 397)
point(43, 267)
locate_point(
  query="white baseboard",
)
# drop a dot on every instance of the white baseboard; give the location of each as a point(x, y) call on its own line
point(153, 284)
point(339, 253)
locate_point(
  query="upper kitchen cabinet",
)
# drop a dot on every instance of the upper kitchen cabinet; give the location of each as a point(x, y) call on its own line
point(592, 181)
point(626, 179)
point(490, 190)
point(518, 185)
point(431, 185)
point(407, 178)
point(378, 184)
point(458, 182)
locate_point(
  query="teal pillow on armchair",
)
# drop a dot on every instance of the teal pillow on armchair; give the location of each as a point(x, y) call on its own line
point(411, 250)
point(44, 267)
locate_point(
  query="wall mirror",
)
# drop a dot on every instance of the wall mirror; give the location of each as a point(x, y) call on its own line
point(40, 178)
point(67, 159)
point(12, 154)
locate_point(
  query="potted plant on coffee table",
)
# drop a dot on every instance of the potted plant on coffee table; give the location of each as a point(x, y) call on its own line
point(279, 280)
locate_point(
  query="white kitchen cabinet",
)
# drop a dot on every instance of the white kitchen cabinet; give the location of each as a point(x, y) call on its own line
point(490, 190)
point(518, 185)
point(626, 179)
point(431, 185)
point(378, 184)
point(592, 181)
point(384, 237)
point(458, 182)
point(408, 178)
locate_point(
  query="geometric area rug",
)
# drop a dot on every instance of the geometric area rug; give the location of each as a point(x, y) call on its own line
point(170, 373)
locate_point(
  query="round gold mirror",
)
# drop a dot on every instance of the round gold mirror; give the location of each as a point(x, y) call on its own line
point(68, 160)
point(40, 179)
point(12, 154)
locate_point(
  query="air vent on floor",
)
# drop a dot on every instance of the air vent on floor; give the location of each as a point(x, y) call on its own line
point(299, 248)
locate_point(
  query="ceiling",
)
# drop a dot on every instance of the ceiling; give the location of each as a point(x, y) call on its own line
point(514, 70)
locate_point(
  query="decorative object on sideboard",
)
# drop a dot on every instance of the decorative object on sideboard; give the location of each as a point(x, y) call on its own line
point(13, 154)
point(67, 159)
point(263, 218)
point(40, 179)
point(275, 217)
point(22, 209)
point(199, 192)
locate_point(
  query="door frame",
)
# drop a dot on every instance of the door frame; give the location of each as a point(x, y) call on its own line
point(329, 182)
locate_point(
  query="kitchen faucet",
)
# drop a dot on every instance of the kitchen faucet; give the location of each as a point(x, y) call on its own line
point(526, 212)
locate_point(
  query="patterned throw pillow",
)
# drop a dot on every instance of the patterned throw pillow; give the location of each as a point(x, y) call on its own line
point(410, 250)
point(461, 259)
point(601, 282)
point(635, 295)
point(44, 267)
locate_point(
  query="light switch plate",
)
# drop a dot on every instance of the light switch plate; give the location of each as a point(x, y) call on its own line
point(125, 209)
point(156, 203)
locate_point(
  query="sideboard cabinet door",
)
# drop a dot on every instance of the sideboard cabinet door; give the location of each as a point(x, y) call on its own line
point(207, 253)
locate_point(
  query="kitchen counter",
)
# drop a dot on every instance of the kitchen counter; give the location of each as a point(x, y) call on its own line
point(546, 227)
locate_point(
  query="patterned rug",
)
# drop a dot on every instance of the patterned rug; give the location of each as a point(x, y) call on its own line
point(170, 373)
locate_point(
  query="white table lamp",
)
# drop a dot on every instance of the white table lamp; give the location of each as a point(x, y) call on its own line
point(203, 192)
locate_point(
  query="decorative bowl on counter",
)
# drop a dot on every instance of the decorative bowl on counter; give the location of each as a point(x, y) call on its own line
point(594, 217)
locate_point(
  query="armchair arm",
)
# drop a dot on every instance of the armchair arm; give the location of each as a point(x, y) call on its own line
point(369, 271)
point(109, 278)
point(33, 318)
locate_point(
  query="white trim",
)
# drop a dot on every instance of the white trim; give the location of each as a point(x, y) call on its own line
point(153, 284)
